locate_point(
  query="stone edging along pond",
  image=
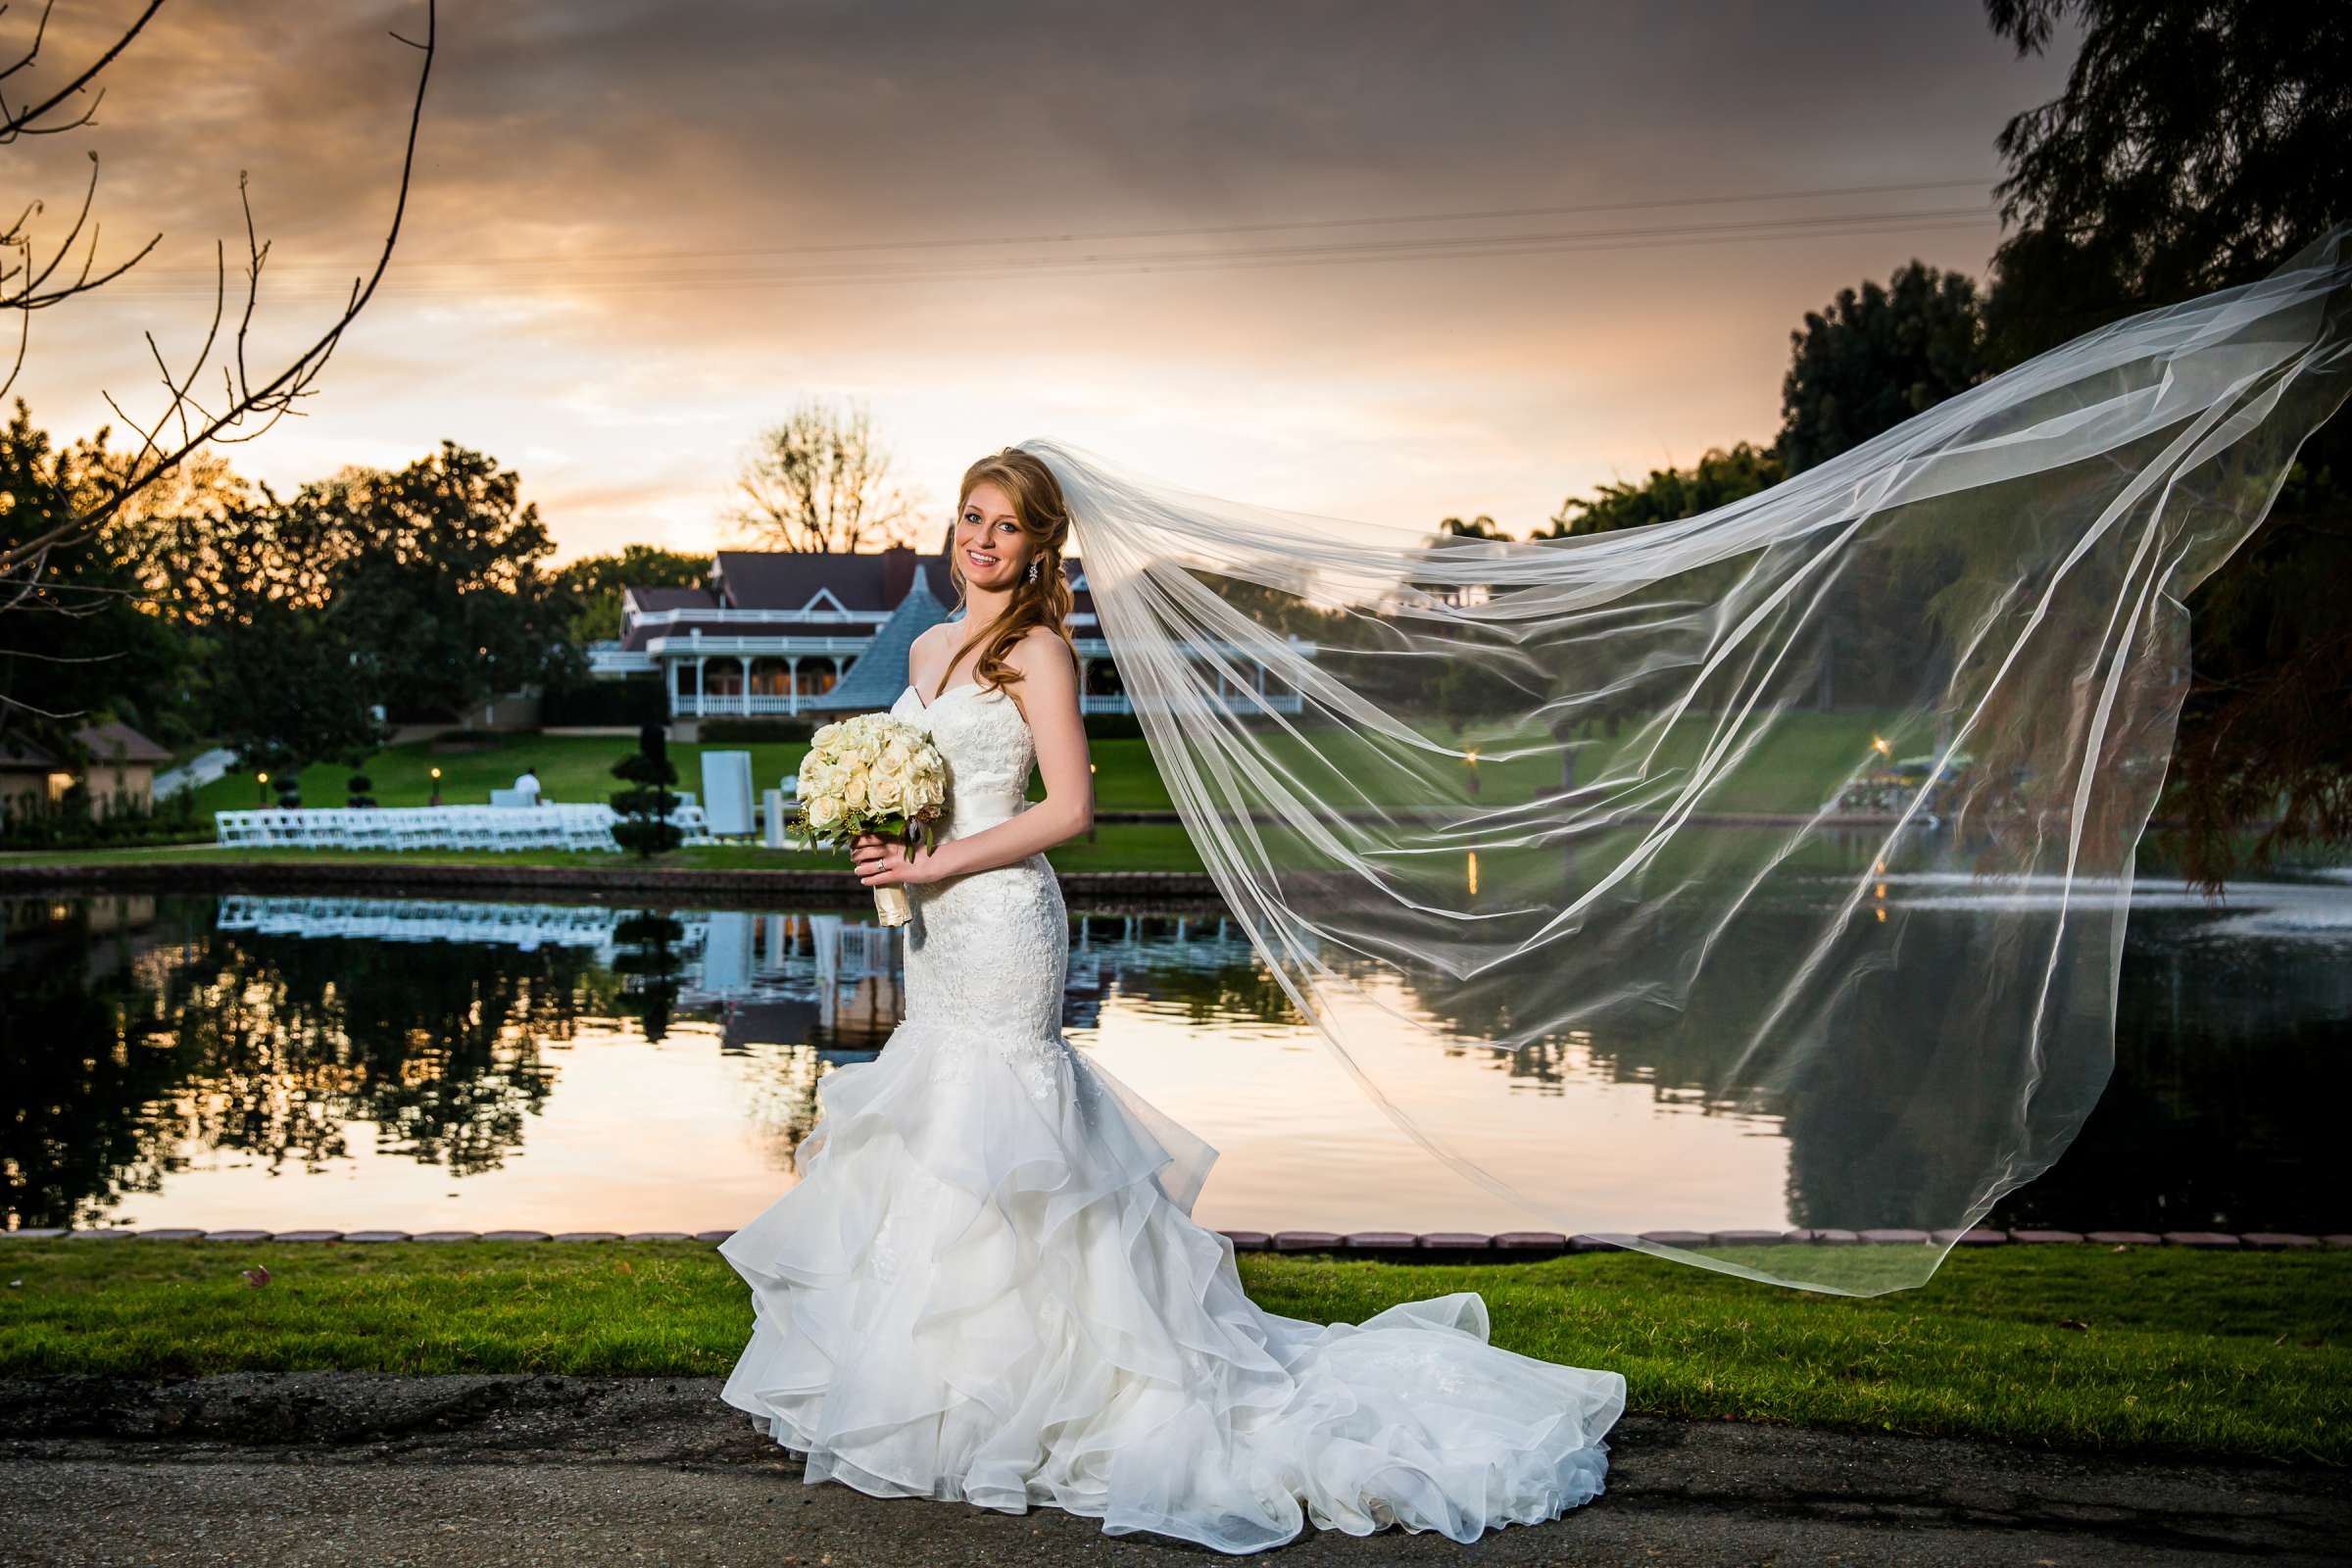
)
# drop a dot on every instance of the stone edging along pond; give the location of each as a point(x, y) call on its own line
point(1435, 1246)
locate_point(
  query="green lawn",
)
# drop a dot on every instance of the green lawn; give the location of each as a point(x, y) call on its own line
point(579, 768)
point(2073, 1347)
point(1785, 774)
point(1783, 777)
point(570, 768)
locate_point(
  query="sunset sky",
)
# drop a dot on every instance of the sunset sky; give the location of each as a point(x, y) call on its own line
point(1224, 244)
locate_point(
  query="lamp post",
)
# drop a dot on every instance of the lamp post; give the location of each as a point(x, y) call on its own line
point(260, 789)
point(436, 787)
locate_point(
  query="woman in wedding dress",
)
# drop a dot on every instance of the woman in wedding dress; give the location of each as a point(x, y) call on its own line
point(986, 1285)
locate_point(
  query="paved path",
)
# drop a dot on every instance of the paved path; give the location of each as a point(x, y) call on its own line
point(322, 1469)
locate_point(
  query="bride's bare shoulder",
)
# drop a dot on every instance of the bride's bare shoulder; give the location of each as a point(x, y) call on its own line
point(1042, 651)
point(927, 649)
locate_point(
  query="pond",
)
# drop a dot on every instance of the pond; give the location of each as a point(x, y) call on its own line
point(288, 1062)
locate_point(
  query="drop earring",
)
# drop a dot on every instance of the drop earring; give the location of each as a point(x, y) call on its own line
point(1032, 568)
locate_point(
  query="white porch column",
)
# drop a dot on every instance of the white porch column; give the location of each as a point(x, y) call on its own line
point(669, 683)
point(744, 663)
point(702, 689)
point(792, 700)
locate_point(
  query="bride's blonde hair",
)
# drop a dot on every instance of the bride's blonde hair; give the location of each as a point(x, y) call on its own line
point(1042, 600)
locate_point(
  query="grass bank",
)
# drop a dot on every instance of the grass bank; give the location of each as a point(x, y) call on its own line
point(579, 768)
point(2155, 1351)
point(1785, 774)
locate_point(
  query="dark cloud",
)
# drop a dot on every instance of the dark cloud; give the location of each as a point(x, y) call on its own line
point(582, 161)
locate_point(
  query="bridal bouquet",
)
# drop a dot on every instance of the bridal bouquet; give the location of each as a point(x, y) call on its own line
point(874, 774)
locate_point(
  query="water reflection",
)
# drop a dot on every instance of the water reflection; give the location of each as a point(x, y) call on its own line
point(284, 1061)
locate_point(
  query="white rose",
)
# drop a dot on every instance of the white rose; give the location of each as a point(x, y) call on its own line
point(823, 811)
point(883, 791)
point(854, 789)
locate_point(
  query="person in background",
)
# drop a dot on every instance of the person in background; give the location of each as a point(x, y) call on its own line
point(527, 785)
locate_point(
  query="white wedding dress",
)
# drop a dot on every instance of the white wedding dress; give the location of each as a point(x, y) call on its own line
point(988, 1284)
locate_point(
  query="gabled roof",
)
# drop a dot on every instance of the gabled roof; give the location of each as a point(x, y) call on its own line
point(875, 681)
point(108, 742)
point(671, 597)
point(788, 579)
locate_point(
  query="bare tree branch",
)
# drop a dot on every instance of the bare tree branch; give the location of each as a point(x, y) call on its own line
point(185, 425)
point(20, 123)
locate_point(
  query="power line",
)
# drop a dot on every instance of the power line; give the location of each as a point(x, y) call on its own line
point(1359, 220)
point(1111, 264)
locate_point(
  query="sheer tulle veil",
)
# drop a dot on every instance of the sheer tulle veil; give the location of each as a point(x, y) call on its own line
point(1815, 814)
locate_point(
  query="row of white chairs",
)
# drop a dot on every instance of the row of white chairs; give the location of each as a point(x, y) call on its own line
point(436, 827)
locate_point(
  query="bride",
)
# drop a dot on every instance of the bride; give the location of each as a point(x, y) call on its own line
point(987, 1284)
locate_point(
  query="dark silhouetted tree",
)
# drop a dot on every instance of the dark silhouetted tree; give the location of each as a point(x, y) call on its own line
point(2197, 146)
point(1876, 356)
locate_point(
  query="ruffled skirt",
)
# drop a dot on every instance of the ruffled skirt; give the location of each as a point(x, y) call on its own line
point(988, 1287)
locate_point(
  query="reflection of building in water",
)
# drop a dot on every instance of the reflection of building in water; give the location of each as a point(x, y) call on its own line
point(859, 977)
point(778, 978)
point(30, 927)
point(527, 926)
point(772, 978)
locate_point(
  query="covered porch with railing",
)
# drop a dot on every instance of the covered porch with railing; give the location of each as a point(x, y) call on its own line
point(704, 681)
point(751, 685)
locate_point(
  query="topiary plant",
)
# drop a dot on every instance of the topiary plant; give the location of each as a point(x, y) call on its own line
point(645, 828)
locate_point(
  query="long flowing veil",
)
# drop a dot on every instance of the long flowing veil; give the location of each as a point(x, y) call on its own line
point(1813, 815)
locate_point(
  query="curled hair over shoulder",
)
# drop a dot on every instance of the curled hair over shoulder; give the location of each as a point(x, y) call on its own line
point(1042, 515)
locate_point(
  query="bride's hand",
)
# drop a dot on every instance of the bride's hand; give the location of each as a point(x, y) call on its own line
point(888, 862)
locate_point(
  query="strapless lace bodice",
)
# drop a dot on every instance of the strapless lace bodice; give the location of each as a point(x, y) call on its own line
point(985, 742)
point(988, 954)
